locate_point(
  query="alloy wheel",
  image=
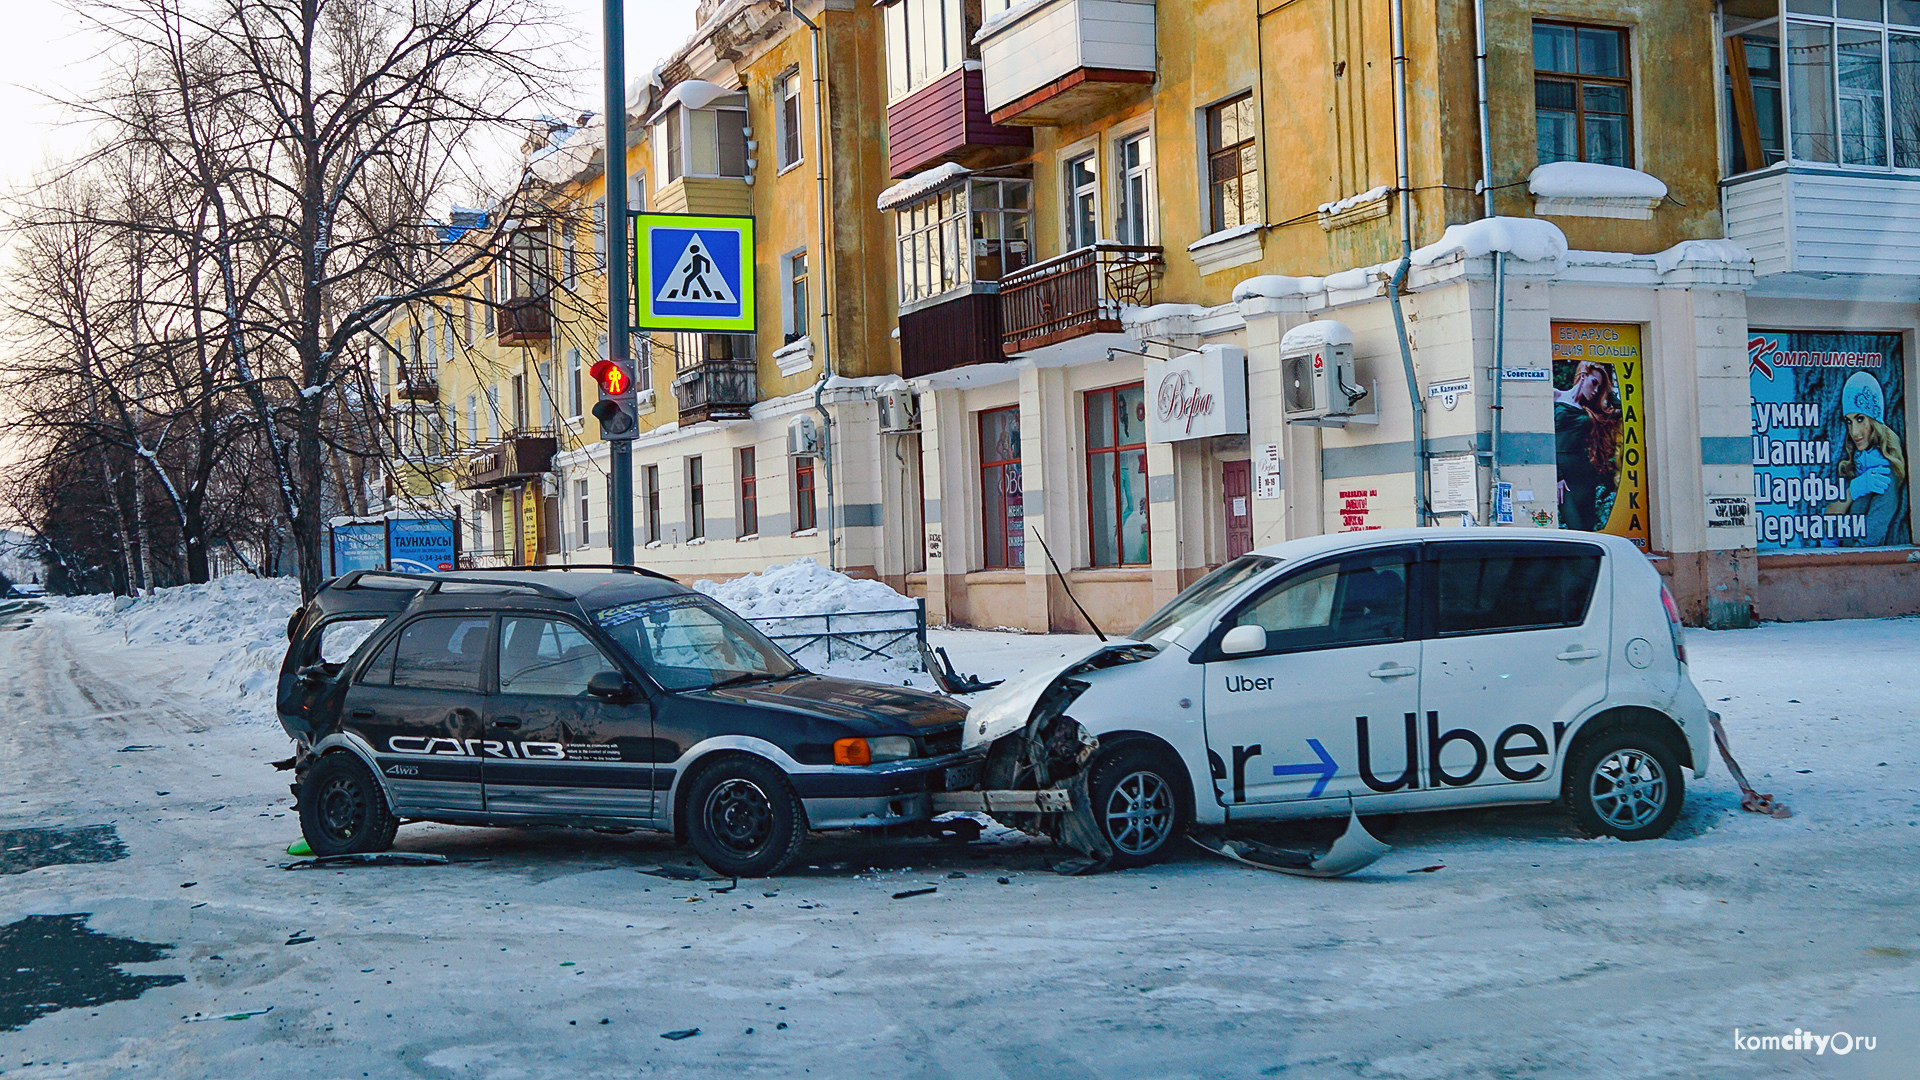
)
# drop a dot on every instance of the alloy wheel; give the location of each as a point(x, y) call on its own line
point(1628, 789)
point(1139, 813)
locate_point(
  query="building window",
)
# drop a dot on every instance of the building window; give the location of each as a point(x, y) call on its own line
point(789, 119)
point(696, 498)
point(600, 236)
point(794, 295)
point(466, 321)
point(584, 507)
point(569, 266)
point(1083, 201)
point(804, 518)
point(703, 142)
point(749, 494)
point(651, 477)
point(473, 418)
point(1003, 506)
point(493, 413)
point(1117, 476)
point(925, 40)
point(520, 402)
point(642, 354)
point(1233, 164)
point(976, 231)
point(1134, 158)
point(545, 373)
point(1850, 86)
point(573, 383)
point(1581, 97)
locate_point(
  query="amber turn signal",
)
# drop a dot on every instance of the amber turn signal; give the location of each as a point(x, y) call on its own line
point(852, 752)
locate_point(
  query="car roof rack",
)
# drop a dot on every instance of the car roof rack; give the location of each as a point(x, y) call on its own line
point(624, 568)
point(352, 579)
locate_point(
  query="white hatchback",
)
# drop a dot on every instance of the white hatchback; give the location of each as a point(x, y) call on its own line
point(1386, 671)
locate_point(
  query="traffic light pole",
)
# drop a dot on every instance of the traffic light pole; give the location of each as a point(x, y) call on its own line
point(619, 303)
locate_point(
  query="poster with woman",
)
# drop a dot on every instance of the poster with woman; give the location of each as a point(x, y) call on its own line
point(1599, 429)
point(1829, 455)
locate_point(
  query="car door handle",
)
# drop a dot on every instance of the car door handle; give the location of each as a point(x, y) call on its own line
point(1391, 672)
point(361, 714)
point(1575, 652)
point(510, 723)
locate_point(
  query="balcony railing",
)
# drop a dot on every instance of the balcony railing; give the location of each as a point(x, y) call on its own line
point(519, 456)
point(418, 385)
point(524, 320)
point(1077, 294)
point(488, 557)
point(716, 390)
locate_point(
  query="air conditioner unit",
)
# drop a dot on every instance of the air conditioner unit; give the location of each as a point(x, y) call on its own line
point(803, 437)
point(899, 410)
point(1316, 370)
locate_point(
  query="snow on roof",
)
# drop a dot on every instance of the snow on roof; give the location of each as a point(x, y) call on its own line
point(1278, 286)
point(920, 184)
point(1585, 180)
point(1134, 316)
point(693, 93)
point(1526, 239)
point(1224, 235)
point(1702, 251)
point(1011, 15)
point(1341, 206)
point(1315, 335)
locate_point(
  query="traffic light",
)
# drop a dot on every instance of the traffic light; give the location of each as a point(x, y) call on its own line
point(617, 410)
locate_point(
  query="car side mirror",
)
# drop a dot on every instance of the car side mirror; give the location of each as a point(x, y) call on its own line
point(1242, 640)
point(610, 686)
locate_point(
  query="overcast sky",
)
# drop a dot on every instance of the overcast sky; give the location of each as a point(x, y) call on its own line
point(43, 49)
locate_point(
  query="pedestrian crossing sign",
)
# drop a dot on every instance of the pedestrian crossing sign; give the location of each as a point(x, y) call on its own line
point(693, 273)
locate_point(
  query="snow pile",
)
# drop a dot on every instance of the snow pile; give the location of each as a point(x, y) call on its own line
point(224, 640)
point(1012, 14)
point(1526, 239)
point(1225, 235)
point(1702, 251)
point(798, 603)
point(802, 587)
point(1585, 180)
point(1341, 206)
point(1278, 287)
point(920, 184)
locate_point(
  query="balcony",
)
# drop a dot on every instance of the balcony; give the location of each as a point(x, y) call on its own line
point(960, 329)
point(946, 120)
point(417, 385)
point(524, 320)
point(1065, 61)
point(716, 390)
point(1817, 230)
point(520, 456)
point(1079, 293)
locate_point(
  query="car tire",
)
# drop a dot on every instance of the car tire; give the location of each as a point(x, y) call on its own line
point(1137, 795)
point(343, 810)
point(743, 817)
point(1625, 783)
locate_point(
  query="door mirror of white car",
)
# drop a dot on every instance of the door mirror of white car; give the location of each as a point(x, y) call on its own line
point(1242, 640)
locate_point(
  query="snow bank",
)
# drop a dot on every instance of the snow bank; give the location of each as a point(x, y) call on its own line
point(1526, 239)
point(1278, 286)
point(788, 602)
point(802, 587)
point(1585, 180)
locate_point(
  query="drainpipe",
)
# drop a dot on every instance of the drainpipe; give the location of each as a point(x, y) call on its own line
point(823, 264)
point(1499, 257)
point(1405, 183)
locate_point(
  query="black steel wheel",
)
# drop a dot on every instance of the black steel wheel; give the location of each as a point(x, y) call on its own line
point(743, 817)
point(343, 811)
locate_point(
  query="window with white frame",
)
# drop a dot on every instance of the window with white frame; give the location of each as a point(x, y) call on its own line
point(1133, 161)
point(473, 418)
point(703, 142)
point(793, 294)
point(642, 354)
point(1082, 188)
point(493, 413)
point(1844, 91)
point(600, 236)
point(787, 135)
point(573, 382)
point(569, 265)
point(979, 230)
point(545, 371)
point(925, 40)
point(584, 508)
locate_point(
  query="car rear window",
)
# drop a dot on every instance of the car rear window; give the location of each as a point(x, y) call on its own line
point(1488, 592)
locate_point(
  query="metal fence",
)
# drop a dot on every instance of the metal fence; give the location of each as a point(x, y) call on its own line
point(899, 636)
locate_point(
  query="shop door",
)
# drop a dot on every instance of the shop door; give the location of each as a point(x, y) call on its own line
point(1236, 484)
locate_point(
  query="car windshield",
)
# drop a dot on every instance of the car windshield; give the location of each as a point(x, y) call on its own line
point(692, 643)
point(1184, 610)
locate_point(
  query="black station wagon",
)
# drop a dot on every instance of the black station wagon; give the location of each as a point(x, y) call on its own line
point(605, 698)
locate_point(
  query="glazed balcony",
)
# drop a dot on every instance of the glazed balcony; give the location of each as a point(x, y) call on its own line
point(418, 385)
point(1064, 61)
point(519, 456)
point(524, 320)
point(716, 390)
point(946, 120)
point(1079, 293)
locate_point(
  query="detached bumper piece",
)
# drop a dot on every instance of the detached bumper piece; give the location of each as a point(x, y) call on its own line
point(1354, 850)
point(1052, 801)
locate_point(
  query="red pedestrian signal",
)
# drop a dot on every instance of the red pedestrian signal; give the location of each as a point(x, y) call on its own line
point(617, 410)
point(612, 378)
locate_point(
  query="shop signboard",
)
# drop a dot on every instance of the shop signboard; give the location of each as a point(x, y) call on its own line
point(1198, 395)
point(1829, 455)
point(1600, 429)
point(420, 545)
point(530, 525)
point(359, 545)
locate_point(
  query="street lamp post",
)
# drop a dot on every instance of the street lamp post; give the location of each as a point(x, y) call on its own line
point(619, 337)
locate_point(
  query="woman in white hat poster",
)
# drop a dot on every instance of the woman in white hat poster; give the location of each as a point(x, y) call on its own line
point(1873, 465)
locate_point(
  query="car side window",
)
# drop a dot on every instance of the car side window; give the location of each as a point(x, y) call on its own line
point(379, 670)
point(547, 656)
point(1355, 601)
point(441, 653)
point(339, 638)
point(1488, 592)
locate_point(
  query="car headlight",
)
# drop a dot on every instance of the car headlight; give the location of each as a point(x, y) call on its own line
point(869, 751)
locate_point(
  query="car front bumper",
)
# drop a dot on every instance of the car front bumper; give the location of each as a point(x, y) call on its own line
point(875, 796)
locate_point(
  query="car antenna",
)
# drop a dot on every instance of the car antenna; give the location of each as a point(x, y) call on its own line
point(1067, 587)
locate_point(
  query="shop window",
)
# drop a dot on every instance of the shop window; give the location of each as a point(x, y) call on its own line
point(1117, 476)
point(1003, 507)
point(979, 230)
point(804, 512)
point(1233, 164)
point(749, 494)
point(1582, 98)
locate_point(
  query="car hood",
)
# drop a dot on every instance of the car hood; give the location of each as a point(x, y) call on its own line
point(886, 707)
point(1006, 708)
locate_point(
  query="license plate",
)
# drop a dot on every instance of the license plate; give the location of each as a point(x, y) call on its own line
point(962, 777)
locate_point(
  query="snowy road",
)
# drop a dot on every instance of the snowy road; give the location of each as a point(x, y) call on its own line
point(544, 954)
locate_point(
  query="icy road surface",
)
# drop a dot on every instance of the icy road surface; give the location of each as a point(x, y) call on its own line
point(172, 944)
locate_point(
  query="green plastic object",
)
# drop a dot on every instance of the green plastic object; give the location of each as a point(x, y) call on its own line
point(299, 847)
